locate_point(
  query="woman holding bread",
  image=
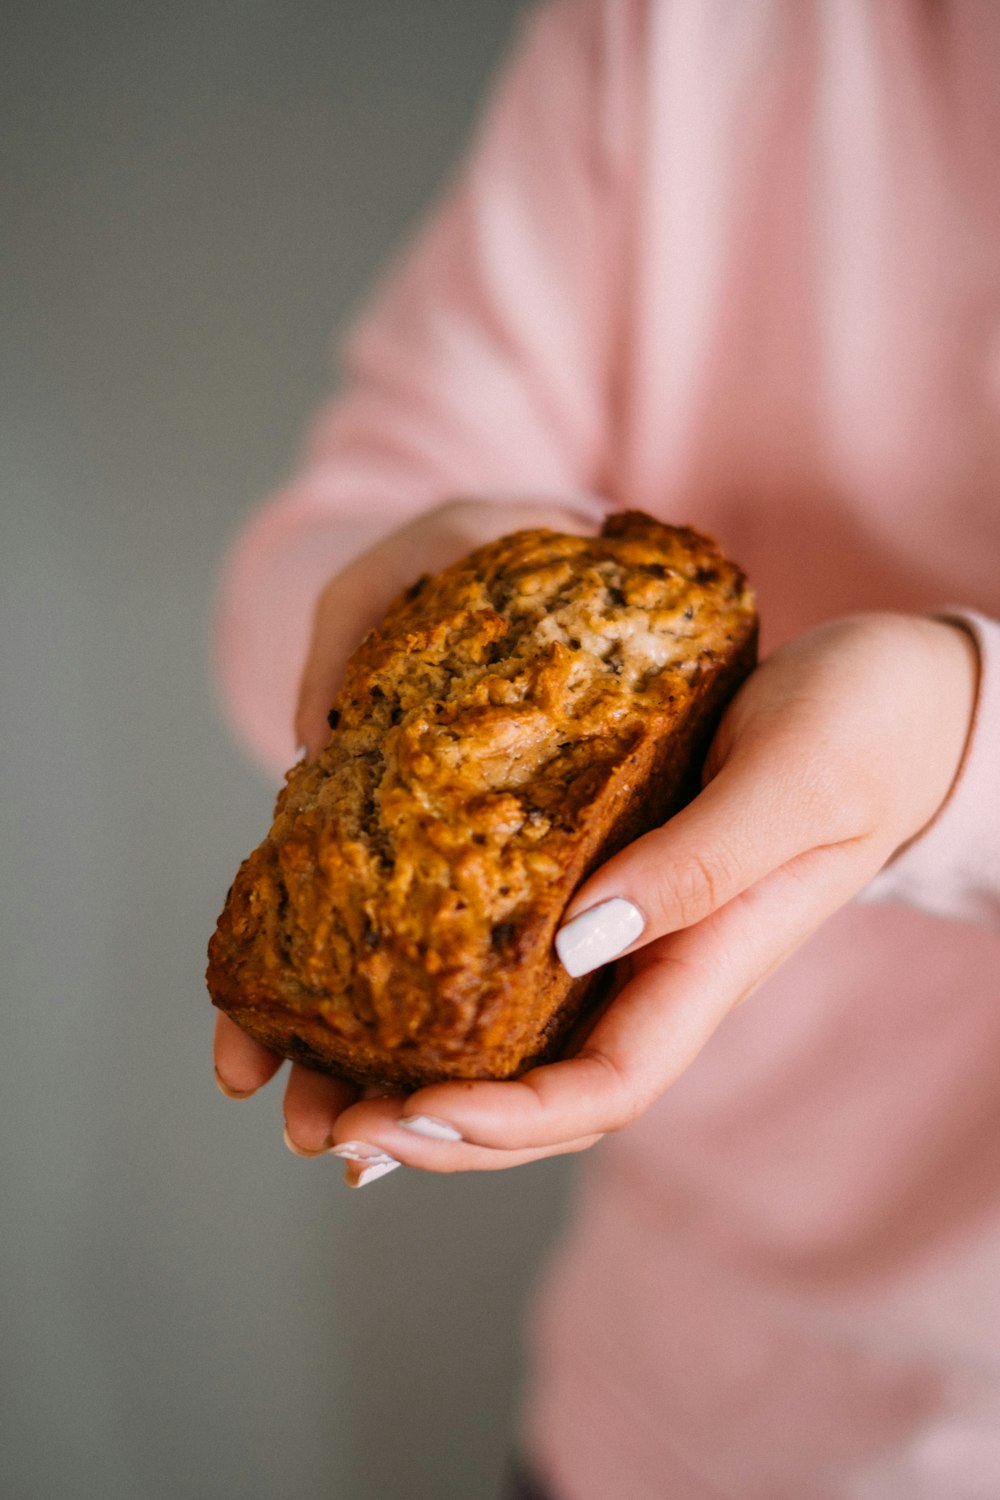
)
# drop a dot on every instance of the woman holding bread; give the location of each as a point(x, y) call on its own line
point(734, 266)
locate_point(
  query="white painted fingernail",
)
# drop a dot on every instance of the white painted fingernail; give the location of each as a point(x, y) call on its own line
point(597, 936)
point(373, 1172)
point(434, 1130)
point(361, 1151)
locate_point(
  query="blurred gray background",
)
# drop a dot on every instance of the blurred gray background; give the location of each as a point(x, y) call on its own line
point(194, 199)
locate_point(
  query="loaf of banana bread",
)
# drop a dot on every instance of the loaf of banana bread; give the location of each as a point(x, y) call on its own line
point(516, 719)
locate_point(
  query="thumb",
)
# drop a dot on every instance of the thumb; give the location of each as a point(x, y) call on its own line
point(755, 816)
point(358, 598)
point(352, 602)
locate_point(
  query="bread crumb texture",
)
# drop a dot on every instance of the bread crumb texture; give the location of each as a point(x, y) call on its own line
point(514, 720)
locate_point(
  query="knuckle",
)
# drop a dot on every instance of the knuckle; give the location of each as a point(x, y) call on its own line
point(624, 1101)
point(689, 888)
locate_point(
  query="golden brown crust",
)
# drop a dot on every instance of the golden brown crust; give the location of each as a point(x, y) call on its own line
point(514, 720)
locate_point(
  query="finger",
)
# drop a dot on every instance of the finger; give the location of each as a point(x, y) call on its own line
point(683, 986)
point(242, 1064)
point(471, 1160)
point(312, 1103)
point(746, 822)
point(369, 1132)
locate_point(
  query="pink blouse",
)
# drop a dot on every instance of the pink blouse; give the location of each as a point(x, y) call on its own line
point(735, 264)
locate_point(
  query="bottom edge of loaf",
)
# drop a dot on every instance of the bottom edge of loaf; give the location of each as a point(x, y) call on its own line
point(310, 1042)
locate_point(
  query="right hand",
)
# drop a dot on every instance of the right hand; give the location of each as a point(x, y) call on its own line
point(357, 598)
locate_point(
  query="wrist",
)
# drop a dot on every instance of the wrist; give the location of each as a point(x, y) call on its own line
point(950, 683)
point(951, 867)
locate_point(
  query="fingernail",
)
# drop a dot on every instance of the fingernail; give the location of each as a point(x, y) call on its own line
point(298, 1150)
point(301, 753)
point(371, 1173)
point(361, 1151)
point(229, 1091)
point(435, 1130)
point(598, 935)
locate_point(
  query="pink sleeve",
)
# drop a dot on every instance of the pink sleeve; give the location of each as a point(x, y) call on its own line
point(953, 868)
point(479, 369)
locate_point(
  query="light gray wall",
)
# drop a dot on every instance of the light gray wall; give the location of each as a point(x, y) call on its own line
point(195, 194)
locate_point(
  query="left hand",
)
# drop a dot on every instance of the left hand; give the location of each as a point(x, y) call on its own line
point(839, 749)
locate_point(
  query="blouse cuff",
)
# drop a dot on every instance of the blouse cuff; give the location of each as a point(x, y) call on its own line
point(952, 869)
